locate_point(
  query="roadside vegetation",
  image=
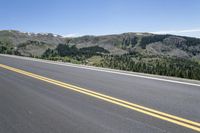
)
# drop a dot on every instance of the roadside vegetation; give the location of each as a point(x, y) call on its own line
point(134, 61)
point(6, 47)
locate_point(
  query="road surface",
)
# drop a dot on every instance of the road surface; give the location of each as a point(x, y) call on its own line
point(43, 97)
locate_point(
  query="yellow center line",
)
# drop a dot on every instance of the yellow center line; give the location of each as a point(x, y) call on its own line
point(148, 111)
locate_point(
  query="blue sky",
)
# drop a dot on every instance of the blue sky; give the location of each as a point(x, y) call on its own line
point(97, 17)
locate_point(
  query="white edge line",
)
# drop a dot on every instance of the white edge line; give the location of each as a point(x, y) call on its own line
point(100, 69)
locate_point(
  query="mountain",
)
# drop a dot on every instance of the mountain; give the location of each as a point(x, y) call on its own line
point(144, 43)
point(168, 55)
point(30, 43)
point(17, 37)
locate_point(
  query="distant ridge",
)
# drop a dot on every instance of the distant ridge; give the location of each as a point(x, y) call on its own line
point(147, 44)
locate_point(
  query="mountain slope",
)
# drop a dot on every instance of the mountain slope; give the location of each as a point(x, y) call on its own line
point(17, 37)
point(146, 44)
point(168, 55)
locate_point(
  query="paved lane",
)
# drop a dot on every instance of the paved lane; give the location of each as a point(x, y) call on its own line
point(56, 105)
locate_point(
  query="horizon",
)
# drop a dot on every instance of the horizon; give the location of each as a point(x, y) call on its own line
point(101, 17)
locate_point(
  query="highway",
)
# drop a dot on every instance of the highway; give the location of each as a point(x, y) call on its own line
point(51, 97)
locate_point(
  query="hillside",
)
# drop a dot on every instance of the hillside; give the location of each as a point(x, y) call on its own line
point(169, 55)
point(29, 44)
point(144, 43)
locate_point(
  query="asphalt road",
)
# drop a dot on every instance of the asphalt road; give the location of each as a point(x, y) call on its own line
point(29, 105)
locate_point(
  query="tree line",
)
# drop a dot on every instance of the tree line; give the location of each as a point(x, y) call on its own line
point(163, 66)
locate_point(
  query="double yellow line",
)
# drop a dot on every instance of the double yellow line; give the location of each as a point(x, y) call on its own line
point(148, 111)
